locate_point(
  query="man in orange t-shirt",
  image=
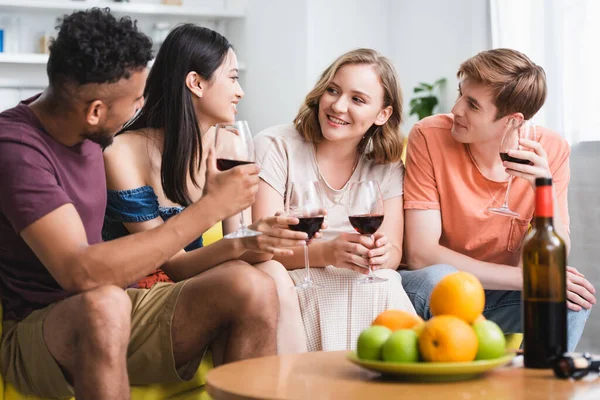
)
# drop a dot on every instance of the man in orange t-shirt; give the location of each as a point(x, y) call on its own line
point(454, 174)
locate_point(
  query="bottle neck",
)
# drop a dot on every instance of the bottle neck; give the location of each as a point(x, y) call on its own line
point(544, 207)
point(543, 223)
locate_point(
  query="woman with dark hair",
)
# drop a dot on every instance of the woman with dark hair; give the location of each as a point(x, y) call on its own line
point(156, 167)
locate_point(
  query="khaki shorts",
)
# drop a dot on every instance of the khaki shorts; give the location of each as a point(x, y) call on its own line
point(26, 362)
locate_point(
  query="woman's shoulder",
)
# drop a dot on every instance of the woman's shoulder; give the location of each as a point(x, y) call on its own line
point(284, 132)
point(372, 170)
point(131, 143)
point(129, 160)
point(281, 139)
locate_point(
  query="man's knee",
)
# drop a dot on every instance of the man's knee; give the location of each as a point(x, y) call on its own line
point(277, 272)
point(425, 279)
point(106, 308)
point(576, 320)
point(253, 288)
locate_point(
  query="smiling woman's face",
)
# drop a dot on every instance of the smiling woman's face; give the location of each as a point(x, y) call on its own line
point(220, 99)
point(352, 103)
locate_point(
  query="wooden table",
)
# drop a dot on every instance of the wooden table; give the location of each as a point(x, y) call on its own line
point(328, 375)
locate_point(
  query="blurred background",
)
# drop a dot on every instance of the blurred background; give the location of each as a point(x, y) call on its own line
point(283, 46)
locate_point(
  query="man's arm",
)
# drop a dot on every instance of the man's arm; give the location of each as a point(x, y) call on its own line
point(59, 240)
point(422, 236)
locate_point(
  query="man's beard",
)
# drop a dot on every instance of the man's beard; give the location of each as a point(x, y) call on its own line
point(103, 138)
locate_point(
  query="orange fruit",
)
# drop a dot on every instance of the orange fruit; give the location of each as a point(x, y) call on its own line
point(419, 328)
point(459, 294)
point(447, 338)
point(479, 319)
point(397, 319)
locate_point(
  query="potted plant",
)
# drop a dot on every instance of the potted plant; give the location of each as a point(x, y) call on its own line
point(425, 102)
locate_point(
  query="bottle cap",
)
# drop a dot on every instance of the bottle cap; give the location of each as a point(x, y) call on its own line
point(543, 181)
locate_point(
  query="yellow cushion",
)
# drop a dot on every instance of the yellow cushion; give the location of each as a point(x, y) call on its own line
point(212, 235)
point(513, 340)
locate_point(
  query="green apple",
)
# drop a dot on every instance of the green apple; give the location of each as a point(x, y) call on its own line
point(402, 346)
point(370, 342)
point(492, 343)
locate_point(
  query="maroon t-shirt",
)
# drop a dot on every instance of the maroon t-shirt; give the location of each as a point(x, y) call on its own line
point(38, 175)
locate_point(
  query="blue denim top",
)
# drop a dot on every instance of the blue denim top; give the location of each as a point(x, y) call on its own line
point(136, 205)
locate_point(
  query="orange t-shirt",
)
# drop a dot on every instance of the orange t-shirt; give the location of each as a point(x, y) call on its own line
point(442, 175)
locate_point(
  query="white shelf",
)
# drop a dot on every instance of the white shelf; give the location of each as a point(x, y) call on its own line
point(119, 8)
point(42, 59)
point(23, 58)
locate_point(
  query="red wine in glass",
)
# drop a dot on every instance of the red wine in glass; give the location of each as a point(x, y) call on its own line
point(303, 201)
point(366, 224)
point(506, 157)
point(513, 133)
point(365, 214)
point(308, 225)
point(224, 164)
point(234, 143)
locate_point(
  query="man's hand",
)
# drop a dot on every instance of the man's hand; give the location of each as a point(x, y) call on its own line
point(538, 159)
point(580, 292)
point(234, 190)
point(276, 236)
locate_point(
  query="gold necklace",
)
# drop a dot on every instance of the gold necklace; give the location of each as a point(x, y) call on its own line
point(335, 195)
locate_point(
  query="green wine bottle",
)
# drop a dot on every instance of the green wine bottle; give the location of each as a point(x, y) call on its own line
point(544, 285)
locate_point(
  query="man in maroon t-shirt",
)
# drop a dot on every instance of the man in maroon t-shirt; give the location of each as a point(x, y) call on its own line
point(67, 320)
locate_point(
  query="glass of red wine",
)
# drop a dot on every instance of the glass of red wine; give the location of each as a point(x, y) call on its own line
point(305, 203)
point(365, 212)
point(513, 134)
point(234, 146)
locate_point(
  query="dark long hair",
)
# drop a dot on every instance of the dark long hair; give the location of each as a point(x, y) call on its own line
point(168, 103)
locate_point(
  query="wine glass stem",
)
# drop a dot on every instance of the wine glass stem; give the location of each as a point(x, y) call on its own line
point(242, 223)
point(505, 205)
point(368, 263)
point(306, 266)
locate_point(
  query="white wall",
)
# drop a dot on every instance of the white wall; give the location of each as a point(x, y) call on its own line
point(274, 47)
point(337, 26)
point(430, 38)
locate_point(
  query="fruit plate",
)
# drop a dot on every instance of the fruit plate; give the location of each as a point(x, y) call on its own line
point(431, 371)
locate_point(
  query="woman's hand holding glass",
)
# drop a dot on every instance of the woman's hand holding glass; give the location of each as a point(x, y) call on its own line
point(378, 256)
point(349, 250)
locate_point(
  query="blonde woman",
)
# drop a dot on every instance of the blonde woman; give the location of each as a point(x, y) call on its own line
point(347, 130)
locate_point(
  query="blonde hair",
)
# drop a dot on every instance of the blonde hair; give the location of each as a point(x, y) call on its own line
point(517, 83)
point(387, 140)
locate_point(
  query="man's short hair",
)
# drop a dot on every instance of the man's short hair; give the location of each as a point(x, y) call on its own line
point(94, 47)
point(517, 84)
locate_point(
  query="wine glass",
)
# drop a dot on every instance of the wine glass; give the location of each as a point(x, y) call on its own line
point(510, 141)
point(365, 212)
point(234, 146)
point(305, 203)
